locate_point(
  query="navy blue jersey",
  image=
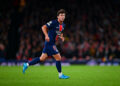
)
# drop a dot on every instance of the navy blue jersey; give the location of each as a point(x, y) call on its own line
point(54, 31)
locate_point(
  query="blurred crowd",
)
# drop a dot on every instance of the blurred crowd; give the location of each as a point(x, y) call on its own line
point(4, 27)
point(92, 29)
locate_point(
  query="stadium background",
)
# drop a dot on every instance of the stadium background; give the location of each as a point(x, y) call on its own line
point(92, 37)
point(92, 29)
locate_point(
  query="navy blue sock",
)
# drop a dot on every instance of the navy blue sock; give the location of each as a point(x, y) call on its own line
point(34, 61)
point(58, 65)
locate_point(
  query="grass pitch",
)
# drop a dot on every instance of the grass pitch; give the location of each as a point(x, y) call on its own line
point(48, 76)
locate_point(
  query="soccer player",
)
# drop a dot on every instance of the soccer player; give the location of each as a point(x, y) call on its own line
point(52, 31)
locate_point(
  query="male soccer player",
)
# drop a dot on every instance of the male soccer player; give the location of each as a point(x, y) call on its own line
point(52, 31)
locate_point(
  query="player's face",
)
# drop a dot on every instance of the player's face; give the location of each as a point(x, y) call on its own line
point(61, 17)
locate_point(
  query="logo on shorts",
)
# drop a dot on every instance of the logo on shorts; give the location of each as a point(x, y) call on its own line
point(54, 47)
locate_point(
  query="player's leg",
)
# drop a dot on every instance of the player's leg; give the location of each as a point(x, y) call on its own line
point(58, 66)
point(34, 61)
point(38, 59)
point(58, 63)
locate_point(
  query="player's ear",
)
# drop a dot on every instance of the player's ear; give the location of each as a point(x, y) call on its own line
point(57, 16)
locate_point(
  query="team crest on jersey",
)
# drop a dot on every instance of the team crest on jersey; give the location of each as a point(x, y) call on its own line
point(59, 28)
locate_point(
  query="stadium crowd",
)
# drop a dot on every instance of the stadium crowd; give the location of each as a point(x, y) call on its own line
point(92, 30)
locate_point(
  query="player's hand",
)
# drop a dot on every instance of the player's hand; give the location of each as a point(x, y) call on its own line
point(47, 38)
point(62, 38)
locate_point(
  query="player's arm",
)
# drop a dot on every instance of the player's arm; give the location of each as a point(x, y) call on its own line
point(61, 36)
point(45, 31)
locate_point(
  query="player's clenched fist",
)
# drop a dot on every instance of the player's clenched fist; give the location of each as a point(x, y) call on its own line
point(62, 38)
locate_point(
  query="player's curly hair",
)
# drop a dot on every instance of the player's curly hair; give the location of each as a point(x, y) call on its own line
point(61, 11)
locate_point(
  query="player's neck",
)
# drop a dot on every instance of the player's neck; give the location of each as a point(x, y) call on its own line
point(60, 22)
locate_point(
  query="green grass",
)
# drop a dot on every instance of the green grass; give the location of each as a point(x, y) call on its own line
point(48, 76)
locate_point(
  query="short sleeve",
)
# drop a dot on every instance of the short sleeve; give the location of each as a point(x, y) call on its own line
point(49, 24)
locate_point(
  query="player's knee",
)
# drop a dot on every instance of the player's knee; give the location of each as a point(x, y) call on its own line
point(58, 59)
point(42, 59)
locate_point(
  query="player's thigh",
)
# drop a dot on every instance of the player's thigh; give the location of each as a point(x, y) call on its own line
point(57, 57)
point(43, 56)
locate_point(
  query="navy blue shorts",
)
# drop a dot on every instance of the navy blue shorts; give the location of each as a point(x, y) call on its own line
point(50, 50)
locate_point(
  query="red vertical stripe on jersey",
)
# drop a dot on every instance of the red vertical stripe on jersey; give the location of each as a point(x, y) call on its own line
point(57, 37)
point(60, 29)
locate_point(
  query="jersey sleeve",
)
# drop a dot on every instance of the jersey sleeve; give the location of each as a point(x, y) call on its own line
point(49, 24)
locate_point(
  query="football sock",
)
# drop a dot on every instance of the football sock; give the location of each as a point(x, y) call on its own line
point(60, 74)
point(58, 66)
point(34, 61)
